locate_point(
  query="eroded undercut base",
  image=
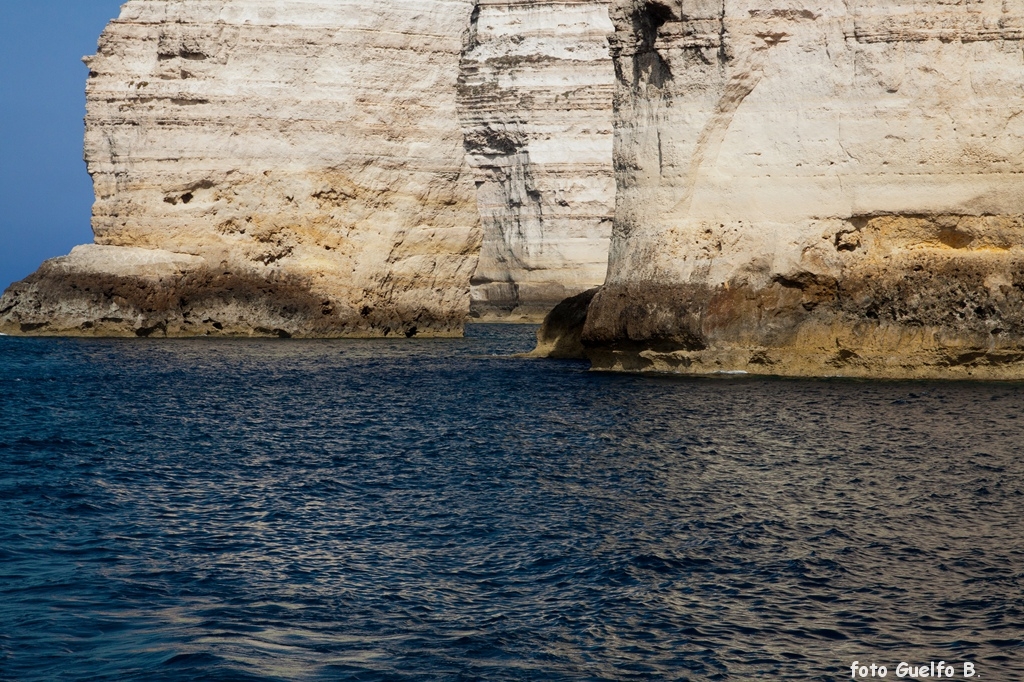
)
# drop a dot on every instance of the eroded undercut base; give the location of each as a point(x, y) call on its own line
point(924, 315)
point(93, 292)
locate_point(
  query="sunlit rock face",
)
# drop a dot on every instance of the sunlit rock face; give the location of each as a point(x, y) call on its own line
point(535, 98)
point(817, 187)
point(284, 167)
point(340, 154)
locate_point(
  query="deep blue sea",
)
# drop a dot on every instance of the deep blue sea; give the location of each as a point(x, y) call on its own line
point(439, 510)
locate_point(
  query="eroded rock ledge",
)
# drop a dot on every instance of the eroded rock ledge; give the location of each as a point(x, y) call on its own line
point(826, 188)
point(126, 291)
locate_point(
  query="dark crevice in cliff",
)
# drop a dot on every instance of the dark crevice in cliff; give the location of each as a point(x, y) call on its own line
point(472, 41)
point(723, 52)
point(649, 67)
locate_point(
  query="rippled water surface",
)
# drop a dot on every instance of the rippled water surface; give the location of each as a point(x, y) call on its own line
point(436, 510)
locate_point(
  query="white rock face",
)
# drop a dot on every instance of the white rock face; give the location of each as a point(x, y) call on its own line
point(536, 104)
point(309, 152)
point(817, 186)
point(317, 152)
point(803, 186)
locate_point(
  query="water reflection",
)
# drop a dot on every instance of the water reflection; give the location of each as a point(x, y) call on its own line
point(433, 510)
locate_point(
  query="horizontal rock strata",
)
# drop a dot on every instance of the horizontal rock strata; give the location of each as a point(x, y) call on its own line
point(283, 167)
point(817, 188)
point(535, 98)
point(318, 147)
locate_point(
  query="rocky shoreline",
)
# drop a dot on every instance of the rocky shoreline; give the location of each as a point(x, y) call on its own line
point(831, 190)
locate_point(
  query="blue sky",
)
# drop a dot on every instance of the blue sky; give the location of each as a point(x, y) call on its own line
point(45, 193)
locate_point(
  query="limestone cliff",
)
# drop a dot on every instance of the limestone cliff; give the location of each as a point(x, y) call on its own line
point(536, 103)
point(308, 168)
point(803, 186)
point(282, 167)
point(817, 187)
